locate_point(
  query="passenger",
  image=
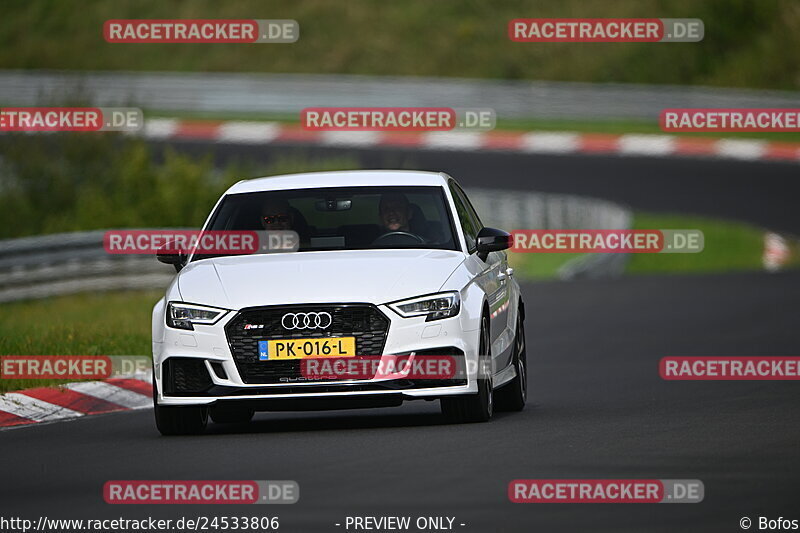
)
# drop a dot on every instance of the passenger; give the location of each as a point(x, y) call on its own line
point(277, 214)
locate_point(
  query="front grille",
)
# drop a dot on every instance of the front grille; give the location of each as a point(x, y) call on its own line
point(364, 322)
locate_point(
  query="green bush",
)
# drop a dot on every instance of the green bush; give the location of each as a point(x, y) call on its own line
point(76, 182)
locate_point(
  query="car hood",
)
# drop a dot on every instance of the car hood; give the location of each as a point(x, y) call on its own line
point(374, 276)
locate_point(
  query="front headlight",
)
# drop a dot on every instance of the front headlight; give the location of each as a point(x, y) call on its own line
point(433, 306)
point(182, 316)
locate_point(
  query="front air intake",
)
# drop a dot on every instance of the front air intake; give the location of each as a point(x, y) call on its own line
point(184, 375)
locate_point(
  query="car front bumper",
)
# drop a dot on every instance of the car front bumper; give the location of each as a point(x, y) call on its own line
point(209, 344)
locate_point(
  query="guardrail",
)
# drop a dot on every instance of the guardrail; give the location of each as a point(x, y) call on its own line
point(526, 210)
point(290, 93)
point(66, 263)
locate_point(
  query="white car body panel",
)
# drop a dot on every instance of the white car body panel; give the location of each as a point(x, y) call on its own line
point(373, 276)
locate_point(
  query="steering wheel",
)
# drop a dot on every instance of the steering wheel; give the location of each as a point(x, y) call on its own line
point(390, 234)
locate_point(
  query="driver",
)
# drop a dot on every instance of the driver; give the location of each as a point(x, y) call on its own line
point(395, 212)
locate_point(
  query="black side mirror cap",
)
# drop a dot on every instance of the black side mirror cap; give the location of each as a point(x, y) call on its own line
point(168, 255)
point(492, 240)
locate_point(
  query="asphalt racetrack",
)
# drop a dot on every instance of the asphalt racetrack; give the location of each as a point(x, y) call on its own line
point(598, 408)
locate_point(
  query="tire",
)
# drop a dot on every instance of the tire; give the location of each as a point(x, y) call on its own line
point(512, 396)
point(231, 415)
point(474, 407)
point(171, 420)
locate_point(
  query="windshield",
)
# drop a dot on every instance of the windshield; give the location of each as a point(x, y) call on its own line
point(343, 218)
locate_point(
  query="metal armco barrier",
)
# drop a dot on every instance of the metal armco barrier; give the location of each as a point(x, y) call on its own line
point(512, 210)
point(290, 93)
point(67, 263)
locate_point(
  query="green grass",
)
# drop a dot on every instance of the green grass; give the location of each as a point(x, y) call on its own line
point(529, 266)
point(747, 43)
point(729, 246)
point(112, 323)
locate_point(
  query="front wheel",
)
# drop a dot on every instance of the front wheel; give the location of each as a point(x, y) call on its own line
point(179, 420)
point(475, 407)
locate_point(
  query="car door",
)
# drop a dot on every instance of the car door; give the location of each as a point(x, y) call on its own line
point(493, 278)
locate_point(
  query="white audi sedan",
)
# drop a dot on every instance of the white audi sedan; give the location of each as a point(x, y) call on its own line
point(395, 291)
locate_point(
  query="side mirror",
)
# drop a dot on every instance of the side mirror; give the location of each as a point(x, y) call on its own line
point(492, 240)
point(167, 254)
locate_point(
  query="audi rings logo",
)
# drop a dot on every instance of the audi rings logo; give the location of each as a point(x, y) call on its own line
point(321, 320)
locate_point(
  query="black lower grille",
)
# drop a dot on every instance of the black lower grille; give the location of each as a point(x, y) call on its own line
point(364, 322)
point(459, 376)
point(185, 375)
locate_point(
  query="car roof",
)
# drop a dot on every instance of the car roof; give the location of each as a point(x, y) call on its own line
point(345, 178)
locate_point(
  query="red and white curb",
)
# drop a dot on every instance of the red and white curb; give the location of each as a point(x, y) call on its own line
point(537, 142)
point(73, 400)
point(777, 252)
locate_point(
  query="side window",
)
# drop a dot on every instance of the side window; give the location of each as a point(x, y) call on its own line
point(468, 224)
point(476, 219)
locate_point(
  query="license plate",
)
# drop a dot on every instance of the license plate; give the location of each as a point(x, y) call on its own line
point(283, 349)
